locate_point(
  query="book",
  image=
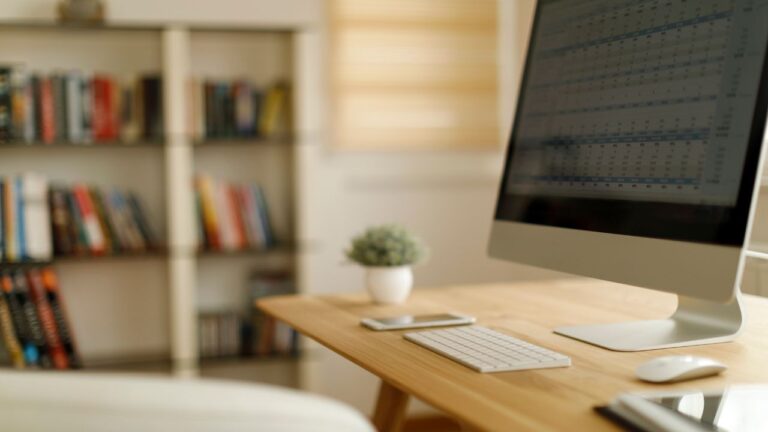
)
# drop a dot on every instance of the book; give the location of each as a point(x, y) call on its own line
point(90, 221)
point(6, 105)
point(36, 345)
point(152, 107)
point(9, 215)
point(53, 343)
point(58, 308)
point(74, 107)
point(59, 96)
point(2, 219)
point(18, 105)
point(273, 112)
point(47, 111)
point(20, 220)
point(61, 221)
point(37, 239)
point(102, 117)
point(8, 332)
point(29, 349)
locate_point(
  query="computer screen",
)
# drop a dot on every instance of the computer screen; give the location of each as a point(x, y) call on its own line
point(640, 118)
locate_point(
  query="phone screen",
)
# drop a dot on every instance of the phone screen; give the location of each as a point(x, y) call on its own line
point(416, 319)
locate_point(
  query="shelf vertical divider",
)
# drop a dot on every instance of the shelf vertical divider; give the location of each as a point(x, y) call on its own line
point(180, 202)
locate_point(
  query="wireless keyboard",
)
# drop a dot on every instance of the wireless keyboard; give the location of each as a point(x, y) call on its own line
point(486, 350)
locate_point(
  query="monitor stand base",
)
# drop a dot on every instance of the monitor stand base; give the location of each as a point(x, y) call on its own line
point(695, 322)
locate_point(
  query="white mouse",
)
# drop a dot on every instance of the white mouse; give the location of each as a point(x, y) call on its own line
point(678, 368)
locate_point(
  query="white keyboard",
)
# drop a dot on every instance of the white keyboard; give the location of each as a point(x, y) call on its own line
point(486, 350)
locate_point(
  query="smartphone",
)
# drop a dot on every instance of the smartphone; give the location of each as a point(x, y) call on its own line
point(416, 321)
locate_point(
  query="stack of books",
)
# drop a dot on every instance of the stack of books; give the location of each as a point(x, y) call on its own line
point(34, 326)
point(89, 221)
point(79, 108)
point(25, 229)
point(249, 333)
point(220, 334)
point(232, 217)
point(267, 336)
point(237, 109)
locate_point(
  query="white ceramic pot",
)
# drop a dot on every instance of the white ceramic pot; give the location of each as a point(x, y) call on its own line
point(389, 285)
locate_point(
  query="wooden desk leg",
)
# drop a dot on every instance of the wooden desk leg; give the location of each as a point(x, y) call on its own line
point(390, 408)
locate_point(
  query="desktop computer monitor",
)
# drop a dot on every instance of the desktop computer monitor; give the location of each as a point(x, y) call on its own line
point(635, 153)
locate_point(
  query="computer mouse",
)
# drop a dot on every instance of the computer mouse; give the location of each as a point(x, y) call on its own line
point(678, 368)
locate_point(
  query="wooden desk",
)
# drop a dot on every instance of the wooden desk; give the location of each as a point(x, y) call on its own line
point(538, 400)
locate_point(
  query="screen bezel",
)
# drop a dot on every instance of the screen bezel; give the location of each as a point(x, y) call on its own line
point(721, 225)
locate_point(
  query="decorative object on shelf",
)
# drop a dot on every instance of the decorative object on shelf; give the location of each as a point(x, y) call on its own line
point(81, 11)
point(387, 252)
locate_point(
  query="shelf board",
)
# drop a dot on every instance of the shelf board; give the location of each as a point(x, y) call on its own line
point(280, 248)
point(68, 144)
point(150, 254)
point(243, 141)
point(140, 27)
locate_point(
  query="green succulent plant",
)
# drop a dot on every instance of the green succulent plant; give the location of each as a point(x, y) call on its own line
point(386, 246)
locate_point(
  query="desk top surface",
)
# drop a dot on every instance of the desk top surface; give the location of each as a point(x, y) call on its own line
point(540, 400)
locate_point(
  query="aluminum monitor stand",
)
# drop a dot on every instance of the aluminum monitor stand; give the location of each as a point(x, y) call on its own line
point(695, 322)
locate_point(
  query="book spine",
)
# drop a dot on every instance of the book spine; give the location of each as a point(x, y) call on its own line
point(11, 252)
point(74, 94)
point(77, 227)
point(86, 100)
point(152, 89)
point(21, 291)
point(60, 221)
point(94, 235)
point(6, 105)
point(100, 109)
point(226, 222)
point(237, 217)
point(59, 87)
point(47, 111)
point(29, 350)
point(21, 228)
point(139, 216)
point(51, 283)
point(112, 242)
point(18, 102)
point(261, 205)
point(2, 219)
point(30, 114)
point(38, 296)
point(37, 222)
point(248, 227)
point(9, 334)
point(210, 217)
point(254, 217)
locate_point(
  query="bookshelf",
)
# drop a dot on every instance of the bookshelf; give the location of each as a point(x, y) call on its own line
point(134, 311)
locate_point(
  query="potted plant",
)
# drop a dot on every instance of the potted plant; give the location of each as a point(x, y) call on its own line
point(387, 252)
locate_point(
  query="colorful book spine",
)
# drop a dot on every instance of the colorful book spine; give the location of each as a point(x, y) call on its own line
point(6, 105)
point(29, 348)
point(21, 291)
point(74, 107)
point(9, 333)
point(47, 111)
point(38, 296)
point(90, 220)
point(51, 283)
point(9, 213)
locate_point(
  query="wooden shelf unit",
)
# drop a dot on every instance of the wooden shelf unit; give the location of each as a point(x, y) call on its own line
point(171, 276)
